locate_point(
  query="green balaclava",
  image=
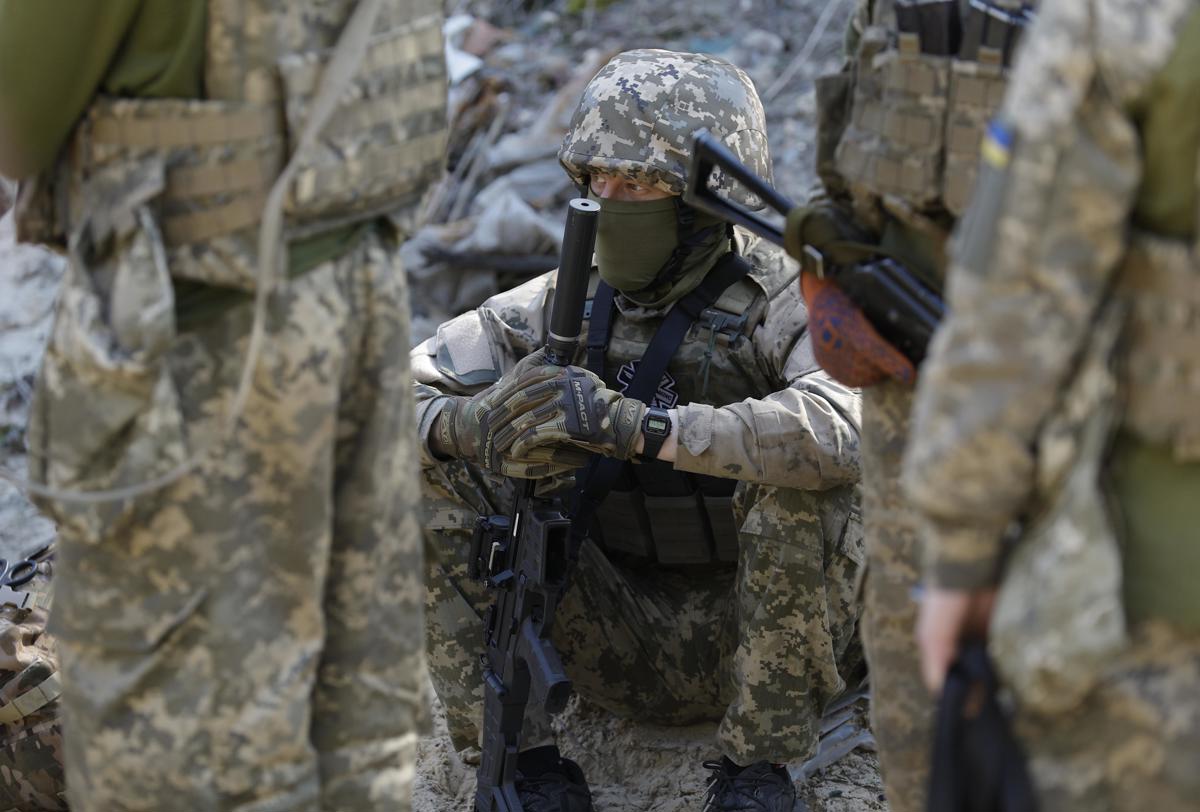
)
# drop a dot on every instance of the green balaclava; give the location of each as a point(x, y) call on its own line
point(636, 241)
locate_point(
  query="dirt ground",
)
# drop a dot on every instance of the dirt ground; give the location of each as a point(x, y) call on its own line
point(783, 45)
point(633, 767)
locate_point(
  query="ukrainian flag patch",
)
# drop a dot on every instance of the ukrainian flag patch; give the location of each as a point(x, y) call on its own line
point(997, 145)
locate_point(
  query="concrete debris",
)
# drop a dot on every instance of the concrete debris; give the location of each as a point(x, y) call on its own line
point(518, 69)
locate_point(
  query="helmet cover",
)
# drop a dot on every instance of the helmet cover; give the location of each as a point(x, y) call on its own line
point(639, 114)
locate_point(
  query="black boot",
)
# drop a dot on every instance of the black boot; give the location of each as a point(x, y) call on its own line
point(761, 787)
point(547, 782)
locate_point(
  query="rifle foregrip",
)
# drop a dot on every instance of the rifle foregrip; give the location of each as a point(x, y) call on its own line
point(566, 317)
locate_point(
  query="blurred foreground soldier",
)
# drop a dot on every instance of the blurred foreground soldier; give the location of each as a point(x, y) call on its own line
point(696, 597)
point(1064, 384)
point(248, 634)
point(899, 133)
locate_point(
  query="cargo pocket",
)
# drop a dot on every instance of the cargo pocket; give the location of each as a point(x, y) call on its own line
point(106, 416)
point(847, 572)
point(851, 542)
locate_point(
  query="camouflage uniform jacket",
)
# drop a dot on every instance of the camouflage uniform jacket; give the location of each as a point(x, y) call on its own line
point(762, 411)
point(1032, 262)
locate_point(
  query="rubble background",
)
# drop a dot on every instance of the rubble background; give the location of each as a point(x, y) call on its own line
point(518, 69)
point(495, 219)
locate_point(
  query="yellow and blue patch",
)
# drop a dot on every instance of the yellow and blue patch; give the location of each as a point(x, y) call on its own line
point(997, 145)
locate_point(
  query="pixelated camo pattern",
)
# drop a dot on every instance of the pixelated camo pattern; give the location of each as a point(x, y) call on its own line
point(761, 648)
point(1027, 281)
point(216, 158)
point(1038, 252)
point(721, 360)
point(31, 750)
point(251, 636)
point(638, 116)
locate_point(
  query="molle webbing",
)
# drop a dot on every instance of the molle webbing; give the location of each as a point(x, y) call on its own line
point(216, 162)
point(219, 158)
point(386, 140)
point(31, 701)
point(694, 520)
point(1161, 364)
point(916, 125)
point(669, 516)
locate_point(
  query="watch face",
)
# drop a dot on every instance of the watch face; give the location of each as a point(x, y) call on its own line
point(658, 425)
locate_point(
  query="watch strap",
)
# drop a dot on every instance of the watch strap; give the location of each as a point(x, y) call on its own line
point(653, 435)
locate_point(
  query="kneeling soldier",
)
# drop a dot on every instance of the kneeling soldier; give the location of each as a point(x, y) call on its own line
point(718, 578)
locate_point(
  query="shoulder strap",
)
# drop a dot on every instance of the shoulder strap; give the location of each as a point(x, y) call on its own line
point(604, 305)
point(603, 472)
point(729, 269)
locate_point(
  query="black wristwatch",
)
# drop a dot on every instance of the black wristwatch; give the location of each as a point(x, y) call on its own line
point(656, 428)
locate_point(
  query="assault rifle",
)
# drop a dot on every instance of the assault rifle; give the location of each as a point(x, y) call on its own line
point(524, 557)
point(896, 301)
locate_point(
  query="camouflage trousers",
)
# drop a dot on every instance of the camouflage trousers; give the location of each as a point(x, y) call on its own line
point(248, 638)
point(762, 646)
point(901, 709)
point(1134, 743)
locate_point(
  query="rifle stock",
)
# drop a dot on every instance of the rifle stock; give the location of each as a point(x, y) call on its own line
point(901, 307)
point(524, 558)
point(710, 155)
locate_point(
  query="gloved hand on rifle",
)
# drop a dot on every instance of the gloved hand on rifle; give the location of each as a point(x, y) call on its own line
point(469, 428)
point(569, 410)
point(845, 343)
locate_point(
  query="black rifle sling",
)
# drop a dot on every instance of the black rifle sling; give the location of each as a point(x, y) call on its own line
point(978, 765)
point(603, 472)
point(604, 307)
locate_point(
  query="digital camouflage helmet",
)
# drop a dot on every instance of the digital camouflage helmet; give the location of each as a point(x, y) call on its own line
point(638, 115)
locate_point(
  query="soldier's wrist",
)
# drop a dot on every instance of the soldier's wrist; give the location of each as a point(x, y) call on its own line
point(670, 443)
point(442, 442)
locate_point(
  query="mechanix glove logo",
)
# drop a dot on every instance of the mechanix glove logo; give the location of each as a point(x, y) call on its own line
point(581, 422)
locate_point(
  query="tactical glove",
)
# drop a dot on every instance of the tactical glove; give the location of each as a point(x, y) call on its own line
point(467, 428)
point(828, 228)
point(572, 409)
